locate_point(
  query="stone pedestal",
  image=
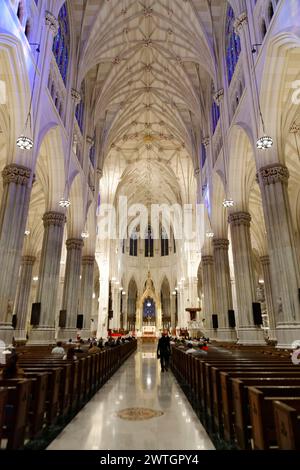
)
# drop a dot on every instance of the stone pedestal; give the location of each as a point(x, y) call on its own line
point(22, 298)
point(71, 288)
point(273, 181)
point(86, 293)
point(13, 216)
point(223, 298)
point(248, 332)
point(49, 277)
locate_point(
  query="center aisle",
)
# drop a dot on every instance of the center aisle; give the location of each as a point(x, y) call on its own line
point(139, 384)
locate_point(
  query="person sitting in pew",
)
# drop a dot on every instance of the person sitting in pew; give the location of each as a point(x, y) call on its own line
point(70, 356)
point(93, 349)
point(11, 369)
point(78, 349)
point(58, 348)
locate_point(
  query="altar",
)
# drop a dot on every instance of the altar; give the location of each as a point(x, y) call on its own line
point(148, 334)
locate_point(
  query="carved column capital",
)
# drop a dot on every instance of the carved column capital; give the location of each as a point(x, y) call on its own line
point(240, 22)
point(51, 22)
point(197, 172)
point(28, 260)
point(207, 260)
point(220, 243)
point(17, 174)
point(274, 173)
point(239, 218)
point(74, 244)
point(54, 218)
point(76, 96)
point(218, 96)
point(88, 260)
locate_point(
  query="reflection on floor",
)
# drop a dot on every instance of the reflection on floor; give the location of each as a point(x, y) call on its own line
point(139, 408)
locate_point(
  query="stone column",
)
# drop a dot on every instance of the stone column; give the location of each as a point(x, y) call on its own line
point(265, 262)
point(209, 293)
point(22, 298)
point(248, 332)
point(223, 297)
point(124, 310)
point(86, 293)
point(273, 180)
point(71, 287)
point(49, 277)
point(13, 216)
point(115, 324)
point(173, 311)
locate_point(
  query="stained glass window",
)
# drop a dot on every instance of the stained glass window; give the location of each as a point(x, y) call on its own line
point(215, 115)
point(233, 44)
point(80, 109)
point(61, 43)
point(164, 243)
point(133, 245)
point(149, 247)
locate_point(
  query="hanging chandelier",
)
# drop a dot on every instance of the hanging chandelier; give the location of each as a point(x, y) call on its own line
point(210, 234)
point(228, 202)
point(264, 143)
point(64, 203)
point(24, 142)
point(85, 234)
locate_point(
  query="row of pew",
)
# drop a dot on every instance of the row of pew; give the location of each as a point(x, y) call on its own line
point(246, 399)
point(52, 390)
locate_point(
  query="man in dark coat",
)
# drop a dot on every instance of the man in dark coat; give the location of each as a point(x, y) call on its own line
point(164, 350)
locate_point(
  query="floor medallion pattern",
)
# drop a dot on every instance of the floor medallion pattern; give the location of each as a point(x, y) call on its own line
point(138, 414)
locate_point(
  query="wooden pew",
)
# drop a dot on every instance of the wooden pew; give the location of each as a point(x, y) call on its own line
point(16, 411)
point(238, 412)
point(262, 415)
point(287, 423)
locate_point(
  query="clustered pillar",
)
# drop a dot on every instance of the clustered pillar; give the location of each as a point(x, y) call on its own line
point(86, 294)
point(49, 277)
point(22, 297)
point(248, 332)
point(273, 180)
point(71, 287)
point(223, 289)
point(13, 216)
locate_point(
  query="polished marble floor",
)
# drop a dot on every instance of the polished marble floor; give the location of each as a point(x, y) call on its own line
point(139, 383)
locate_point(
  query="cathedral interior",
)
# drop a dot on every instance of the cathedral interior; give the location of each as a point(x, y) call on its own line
point(150, 183)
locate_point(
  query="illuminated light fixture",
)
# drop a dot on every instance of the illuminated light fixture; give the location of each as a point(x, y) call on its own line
point(94, 295)
point(85, 234)
point(264, 143)
point(228, 202)
point(64, 202)
point(117, 283)
point(120, 288)
point(24, 142)
point(210, 234)
point(123, 293)
point(35, 278)
point(174, 292)
point(113, 279)
point(176, 288)
point(27, 233)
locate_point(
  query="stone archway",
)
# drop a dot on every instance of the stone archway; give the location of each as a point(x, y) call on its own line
point(149, 293)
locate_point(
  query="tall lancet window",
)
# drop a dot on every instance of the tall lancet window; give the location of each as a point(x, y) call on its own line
point(233, 44)
point(149, 246)
point(61, 43)
point(133, 245)
point(79, 113)
point(164, 243)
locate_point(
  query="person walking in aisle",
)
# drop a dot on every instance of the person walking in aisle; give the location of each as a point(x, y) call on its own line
point(164, 350)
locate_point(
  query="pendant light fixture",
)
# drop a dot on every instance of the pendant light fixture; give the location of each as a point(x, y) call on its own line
point(25, 140)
